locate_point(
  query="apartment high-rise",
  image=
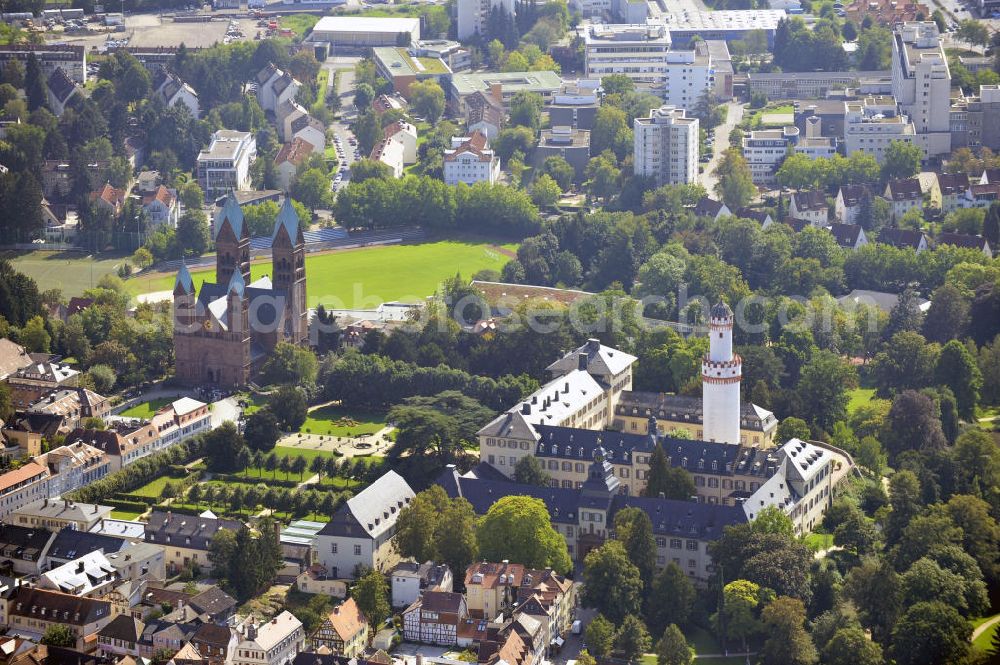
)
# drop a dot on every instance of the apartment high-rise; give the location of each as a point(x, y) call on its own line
point(471, 15)
point(637, 51)
point(921, 84)
point(666, 146)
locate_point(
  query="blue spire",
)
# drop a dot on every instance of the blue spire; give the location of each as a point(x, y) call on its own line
point(184, 279)
point(232, 211)
point(288, 218)
point(236, 283)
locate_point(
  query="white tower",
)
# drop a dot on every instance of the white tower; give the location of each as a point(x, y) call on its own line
point(721, 372)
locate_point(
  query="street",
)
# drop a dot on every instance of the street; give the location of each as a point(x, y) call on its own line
point(342, 135)
point(734, 115)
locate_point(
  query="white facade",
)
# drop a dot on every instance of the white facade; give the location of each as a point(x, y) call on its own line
point(357, 32)
point(398, 148)
point(637, 51)
point(472, 15)
point(765, 150)
point(471, 160)
point(275, 642)
point(921, 82)
point(721, 373)
point(666, 146)
point(225, 164)
point(689, 75)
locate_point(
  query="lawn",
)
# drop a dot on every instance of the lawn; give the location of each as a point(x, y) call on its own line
point(336, 421)
point(983, 643)
point(365, 278)
point(154, 488)
point(73, 272)
point(858, 398)
point(703, 642)
point(300, 24)
point(819, 541)
point(146, 409)
point(131, 515)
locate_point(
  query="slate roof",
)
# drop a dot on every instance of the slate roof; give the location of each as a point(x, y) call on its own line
point(20, 542)
point(123, 627)
point(904, 190)
point(962, 240)
point(375, 509)
point(214, 602)
point(71, 544)
point(442, 601)
point(707, 207)
point(601, 359)
point(852, 194)
point(190, 531)
point(287, 219)
point(63, 607)
point(61, 85)
point(846, 235)
point(900, 237)
point(685, 408)
point(232, 212)
point(812, 200)
point(759, 216)
point(953, 183)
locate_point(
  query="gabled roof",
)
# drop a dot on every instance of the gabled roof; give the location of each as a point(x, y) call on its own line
point(953, 183)
point(12, 357)
point(60, 85)
point(852, 194)
point(904, 190)
point(295, 153)
point(72, 543)
point(601, 360)
point(55, 606)
point(20, 475)
point(161, 194)
point(900, 237)
point(962, 240)
point(110, 195)
point(846, 235)
point(123, 627)
point(707, 207)
point(376, 508)
point(812, 200)
point(213, 601)
point(231, 212)
point(347, 620)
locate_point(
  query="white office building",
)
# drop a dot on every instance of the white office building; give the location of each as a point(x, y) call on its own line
point(689, 75)
point(637, 50)
point(870, 125)
point(471, 15)
point(225, 163)
point(921, 84)
point(471, 160)
point(766, 149)
point(666, 146)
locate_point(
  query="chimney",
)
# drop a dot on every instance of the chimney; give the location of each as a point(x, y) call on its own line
point(526, 409)
point(582, 362)
point(496, 92)
point(593, 344)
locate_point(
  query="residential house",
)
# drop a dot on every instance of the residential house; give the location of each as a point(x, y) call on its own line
point(809, 207)
point(411, 579)
point(982, 196)
point(317, 580)
point(40, 379)
point(186, 539)
point(397, 148)
point(294, 121)
point(109, 198)
point(147, 181)
point(491, 588)
point(711, 208)
point(362, 531)
point(62, 91)
point(146, 562)
point(471, 160)
point(848, 236)
point(848, 203)
point(173, 90)
point(760, 216)
point(485, 113)
point(31, 611)
point(120, 637)
point(548, 597)
point(989, 176)
point(275, 642)
point(56, 514)
point(21, 487)
point(90, 575)
point(434, 618)
point(70, 543)
point(162, 207)
point(903, 238)
point(71, 406)
point(288, 160)
point(215, 604)
point(275, 87)
point(949, 191)
point(13, 357)
point(216, 644)
point(344, 630)
point(225, 164)
point(904, 195)
point(23, 549)
point(73, 466)
point(967, 241)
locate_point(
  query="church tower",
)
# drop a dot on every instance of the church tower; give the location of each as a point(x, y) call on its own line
point(232, 243)
point(721, 372)
point(288, 256)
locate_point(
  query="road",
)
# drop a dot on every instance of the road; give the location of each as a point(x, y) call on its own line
point(734, 115)
point(345, 90)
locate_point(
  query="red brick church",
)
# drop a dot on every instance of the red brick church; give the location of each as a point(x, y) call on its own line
point(224, 331)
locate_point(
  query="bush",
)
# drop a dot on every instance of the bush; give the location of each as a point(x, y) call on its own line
point(129, 505)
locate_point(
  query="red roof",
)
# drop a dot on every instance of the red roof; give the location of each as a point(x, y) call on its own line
point(294, 153)
point(162, 194)
point(17, 476)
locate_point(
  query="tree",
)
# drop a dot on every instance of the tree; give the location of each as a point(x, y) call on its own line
point(632, 640)
point(368, 130)
point(673, 649)
point(930, 633)
point(104, 378)
point(34, 83)
point(427, 99)
point(991, 225)
point(518, 528)
point(288, 404)
point(261, 431)
point(290, 364)
point(957, 369)
point(913, 424)
point(823, 385)
point(192, 233)
point(34, 336)
point(221, 550)
point(560, 170)
point(526, 110)
point(901, 160)
point(735, 184)
point(600, 636)
point(365, 169)
point(874, 588)
point(671, 598)
point(787, 642)
point(545, 191)
point(948, 316)
point(371, 595)
point(529, 471)
point(666, 480)
point(222, 447)
point(364, 94)
point(792, 428)
point(634, 530)
point(312, 188)
point(58, 634)
point(612, 583)
point(850, 646)
point(855, 532)
point(738, 613)
point(610, 132)
point(973, 32)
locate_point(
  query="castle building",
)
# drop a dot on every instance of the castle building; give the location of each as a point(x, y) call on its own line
point(224, 331)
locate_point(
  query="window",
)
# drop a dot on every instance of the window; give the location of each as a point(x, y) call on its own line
point(692, 545)
point(333, 548)
point(357, 550)
point(675, 543)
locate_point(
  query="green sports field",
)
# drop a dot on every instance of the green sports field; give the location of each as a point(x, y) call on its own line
point(365, 278)
point(73, 272)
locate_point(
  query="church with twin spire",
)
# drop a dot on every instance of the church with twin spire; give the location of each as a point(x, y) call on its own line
point(225, 330)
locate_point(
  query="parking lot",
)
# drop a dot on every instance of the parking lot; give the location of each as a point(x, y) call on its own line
point(154, 30)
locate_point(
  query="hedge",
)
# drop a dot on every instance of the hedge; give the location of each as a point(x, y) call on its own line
point(131, 506)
